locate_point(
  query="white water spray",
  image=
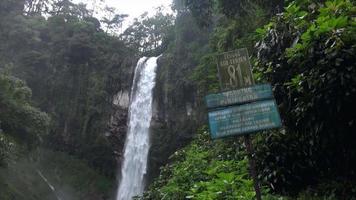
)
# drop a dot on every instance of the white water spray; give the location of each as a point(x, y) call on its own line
point(134, 165)
point(48, 183)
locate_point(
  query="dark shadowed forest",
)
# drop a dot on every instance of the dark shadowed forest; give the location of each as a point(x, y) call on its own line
point(67, 78)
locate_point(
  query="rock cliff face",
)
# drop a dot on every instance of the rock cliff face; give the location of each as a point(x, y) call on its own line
point(175, 116)
point(118, 122)
point(177, 107)
point(117, 125)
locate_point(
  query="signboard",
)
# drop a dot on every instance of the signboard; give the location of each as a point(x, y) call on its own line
point(243, 107)
point(242, 119)
point(241, 111)
point(243, 95)
point(234, 69)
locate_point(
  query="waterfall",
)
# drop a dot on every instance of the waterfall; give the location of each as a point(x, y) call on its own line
point(48, 183)
point(134, 165)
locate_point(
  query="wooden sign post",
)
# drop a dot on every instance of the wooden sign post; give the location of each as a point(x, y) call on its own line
point(241, 108)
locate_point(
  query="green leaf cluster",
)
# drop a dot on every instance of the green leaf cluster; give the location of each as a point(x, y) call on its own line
point(73, 68)
point(205, 169)
point(307, 53)
point(18, 117)
point(6, 148)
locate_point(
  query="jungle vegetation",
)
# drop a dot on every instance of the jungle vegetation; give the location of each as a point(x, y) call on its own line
point(60, 67)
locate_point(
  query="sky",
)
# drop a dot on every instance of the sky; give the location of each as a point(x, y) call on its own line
point(134, 8)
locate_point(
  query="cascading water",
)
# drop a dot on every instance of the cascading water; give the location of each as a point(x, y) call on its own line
point(137, 140)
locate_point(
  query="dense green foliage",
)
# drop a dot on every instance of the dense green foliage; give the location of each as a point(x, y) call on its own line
point(175, 93)
point(308, 54)
point(74, 64)
point(20, 121)
point(150, 34)
point(56, 57)
point(229, 32)
point(206, 170)
point(73, 68)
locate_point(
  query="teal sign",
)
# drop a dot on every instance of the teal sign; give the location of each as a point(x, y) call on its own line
point(243, 119)
point(243, 95)
point(242, 107)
